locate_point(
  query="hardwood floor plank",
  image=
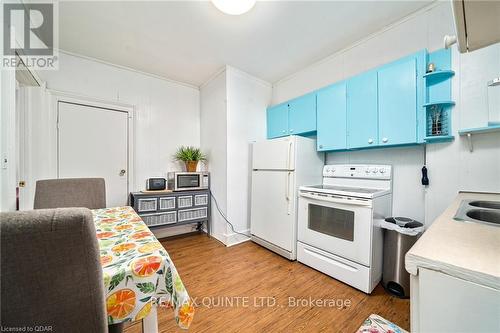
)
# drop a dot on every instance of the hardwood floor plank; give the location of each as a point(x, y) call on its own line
point(214, 273)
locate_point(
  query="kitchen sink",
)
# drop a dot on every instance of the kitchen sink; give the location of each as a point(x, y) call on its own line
point(478, 211)
point(486, 204)
point(484, 215)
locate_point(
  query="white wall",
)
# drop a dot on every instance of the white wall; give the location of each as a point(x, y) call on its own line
point(451, 167)
point(248, 98)
point(166, 116)
point(166, 113)
point(214, 143)
point(233, 106)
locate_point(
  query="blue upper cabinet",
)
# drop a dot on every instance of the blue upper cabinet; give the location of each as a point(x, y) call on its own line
point(302, 114)
point(362, 115)
point(397, 102)
point(331, 115)
point(277, 121)
point(385, 106)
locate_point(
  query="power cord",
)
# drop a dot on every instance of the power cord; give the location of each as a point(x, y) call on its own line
point(224, 216)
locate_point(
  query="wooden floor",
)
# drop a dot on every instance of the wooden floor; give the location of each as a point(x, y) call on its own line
point(212, 272)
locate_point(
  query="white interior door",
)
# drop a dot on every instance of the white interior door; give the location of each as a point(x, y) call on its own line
point(273, 207)
point(93, 142)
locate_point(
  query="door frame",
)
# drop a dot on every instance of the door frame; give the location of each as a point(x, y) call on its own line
point(65, 97)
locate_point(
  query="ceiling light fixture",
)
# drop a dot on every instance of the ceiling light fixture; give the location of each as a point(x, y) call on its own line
point(234, 7)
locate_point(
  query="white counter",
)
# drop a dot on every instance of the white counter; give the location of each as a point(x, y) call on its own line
point(466, 250)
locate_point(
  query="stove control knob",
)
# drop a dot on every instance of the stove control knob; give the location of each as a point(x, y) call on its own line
point(367, 170)
point(381, 170)
point(375, 170)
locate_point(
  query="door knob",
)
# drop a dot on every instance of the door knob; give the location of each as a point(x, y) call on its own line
point(384, 140)
point(370, 141)
point(122, 172)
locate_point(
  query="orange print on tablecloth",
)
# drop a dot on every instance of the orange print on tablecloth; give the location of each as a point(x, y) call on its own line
point(106, 234)
point(123, 227)
point(106, 260)
point(147, 266)
point(107, 220)
point(120, 304)
point(150, 247)
point(123, 247)
point(141, 234)
point(186, 314)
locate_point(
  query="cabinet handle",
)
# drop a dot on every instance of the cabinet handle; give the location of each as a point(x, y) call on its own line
point(370, 141)
point(384, 140)
point(284, 131)
point(291, 131)
point(320, 146)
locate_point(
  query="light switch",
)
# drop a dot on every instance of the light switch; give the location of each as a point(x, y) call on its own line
point(5, 161)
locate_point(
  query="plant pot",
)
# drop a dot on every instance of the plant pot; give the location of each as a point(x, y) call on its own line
point(191, 166)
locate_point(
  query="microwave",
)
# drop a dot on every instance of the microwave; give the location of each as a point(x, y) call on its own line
point(185, 181)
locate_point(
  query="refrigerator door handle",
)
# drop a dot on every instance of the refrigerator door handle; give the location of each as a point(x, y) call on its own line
point(288, 193)
point(287, 188)
point(290, 143)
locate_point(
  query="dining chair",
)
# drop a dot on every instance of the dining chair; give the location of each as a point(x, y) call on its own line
point(70, 192)
point(51, 273)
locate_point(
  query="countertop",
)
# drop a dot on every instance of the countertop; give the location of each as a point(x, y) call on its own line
point(467, 250)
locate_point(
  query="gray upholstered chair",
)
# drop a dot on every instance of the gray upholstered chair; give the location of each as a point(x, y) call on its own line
point(51, 274)
point(70, 192)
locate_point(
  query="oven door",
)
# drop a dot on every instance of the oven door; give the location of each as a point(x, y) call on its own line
point(187, 181)
point(339, 225)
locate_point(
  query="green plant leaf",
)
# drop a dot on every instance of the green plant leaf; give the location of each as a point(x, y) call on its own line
point(189, 153)
point(168, 280)
point(147, 287)
point(116, 279)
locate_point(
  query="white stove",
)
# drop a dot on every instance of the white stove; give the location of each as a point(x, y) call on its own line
point(359, 192)
point(338, 233)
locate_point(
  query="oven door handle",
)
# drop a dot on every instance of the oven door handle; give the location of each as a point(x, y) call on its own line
point(357, 202)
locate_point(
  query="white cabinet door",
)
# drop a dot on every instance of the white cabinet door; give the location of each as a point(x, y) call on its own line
point(273, 208)
point(93, 142)
point(450, 304)
point(275, 154)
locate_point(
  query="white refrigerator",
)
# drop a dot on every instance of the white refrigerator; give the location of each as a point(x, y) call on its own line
point(279, 167)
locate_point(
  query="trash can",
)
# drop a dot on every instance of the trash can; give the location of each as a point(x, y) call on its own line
point(399, 236)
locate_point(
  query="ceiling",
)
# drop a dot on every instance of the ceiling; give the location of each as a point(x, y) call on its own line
point(189, 41)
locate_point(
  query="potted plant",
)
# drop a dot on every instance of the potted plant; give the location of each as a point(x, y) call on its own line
point(190, 156)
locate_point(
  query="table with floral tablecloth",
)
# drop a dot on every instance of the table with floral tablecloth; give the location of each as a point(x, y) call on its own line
point(138, 272)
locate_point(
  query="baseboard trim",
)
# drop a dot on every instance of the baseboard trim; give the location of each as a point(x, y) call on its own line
point(234, 238)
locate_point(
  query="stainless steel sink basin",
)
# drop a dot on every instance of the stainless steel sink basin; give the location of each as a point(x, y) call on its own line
point(490, 216)
point(486, 204)
point(487, 212)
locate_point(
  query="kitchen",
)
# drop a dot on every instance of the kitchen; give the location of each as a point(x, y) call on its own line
point(277, 156)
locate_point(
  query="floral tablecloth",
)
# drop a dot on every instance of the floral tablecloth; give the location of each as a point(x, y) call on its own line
point(138, 272)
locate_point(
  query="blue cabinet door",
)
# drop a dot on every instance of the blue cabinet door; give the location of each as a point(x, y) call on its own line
point(302, 116)
point(277, 121)
point(362, 114)
point(397, 102)
point(331, 122)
